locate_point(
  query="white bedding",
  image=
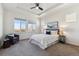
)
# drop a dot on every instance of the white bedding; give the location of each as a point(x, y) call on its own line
point(43, 40)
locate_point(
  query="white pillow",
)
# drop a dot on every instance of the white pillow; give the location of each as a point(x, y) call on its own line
point(53, 32)
point(44, 32)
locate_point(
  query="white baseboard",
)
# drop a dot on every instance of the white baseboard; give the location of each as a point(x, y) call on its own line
point(72, 43)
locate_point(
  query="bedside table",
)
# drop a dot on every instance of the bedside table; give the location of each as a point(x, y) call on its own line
point(62, 38)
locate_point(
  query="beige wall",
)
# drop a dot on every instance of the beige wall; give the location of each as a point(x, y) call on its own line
point(71, 29)
point(1, 21)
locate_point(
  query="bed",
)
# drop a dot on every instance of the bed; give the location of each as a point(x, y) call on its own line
point(45, 40)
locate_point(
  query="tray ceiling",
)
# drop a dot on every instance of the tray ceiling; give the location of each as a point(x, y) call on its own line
point(27, 7)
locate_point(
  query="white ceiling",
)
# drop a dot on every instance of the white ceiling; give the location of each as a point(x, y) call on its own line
point(26, 7)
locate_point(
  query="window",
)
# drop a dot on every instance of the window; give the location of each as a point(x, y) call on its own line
point(71, 17)
point(31, 26)
point(23, 25)
point(19, 25)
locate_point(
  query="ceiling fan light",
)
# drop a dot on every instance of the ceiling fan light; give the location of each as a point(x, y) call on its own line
point(36, 7)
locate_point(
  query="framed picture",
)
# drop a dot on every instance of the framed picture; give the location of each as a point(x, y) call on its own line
point(52, 25)
point(71, 17)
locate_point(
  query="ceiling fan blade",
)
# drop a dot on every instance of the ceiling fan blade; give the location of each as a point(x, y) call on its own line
point(37, 4)
point(40, 8)
point(32, 7)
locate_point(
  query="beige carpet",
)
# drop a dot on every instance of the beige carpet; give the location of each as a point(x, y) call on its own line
point(24, 48)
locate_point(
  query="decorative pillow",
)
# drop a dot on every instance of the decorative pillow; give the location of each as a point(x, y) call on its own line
point(53, 32)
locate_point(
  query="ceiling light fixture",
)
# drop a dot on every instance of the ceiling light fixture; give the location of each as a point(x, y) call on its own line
point(36, 7)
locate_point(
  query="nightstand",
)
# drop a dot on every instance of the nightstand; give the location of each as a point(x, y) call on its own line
point(62, 38)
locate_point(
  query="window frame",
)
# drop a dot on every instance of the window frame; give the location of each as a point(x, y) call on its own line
point(20, 28)
point(32, 26)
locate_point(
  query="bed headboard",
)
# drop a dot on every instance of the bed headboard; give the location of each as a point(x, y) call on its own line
point(53, 26)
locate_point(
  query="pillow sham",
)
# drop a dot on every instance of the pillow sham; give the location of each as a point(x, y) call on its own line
point(53, 32)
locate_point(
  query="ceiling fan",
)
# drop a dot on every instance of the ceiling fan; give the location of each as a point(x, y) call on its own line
point(37, 7)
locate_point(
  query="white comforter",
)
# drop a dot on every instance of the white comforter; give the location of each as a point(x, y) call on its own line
point(43, 40)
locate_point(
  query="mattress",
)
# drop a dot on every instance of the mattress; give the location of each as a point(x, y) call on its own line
point(43, 40)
